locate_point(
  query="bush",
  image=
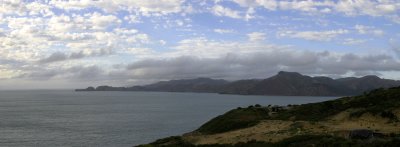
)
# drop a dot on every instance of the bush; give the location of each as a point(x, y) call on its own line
point(234, 119)
point(389, 114)
point(172, 141)
point(376, 102)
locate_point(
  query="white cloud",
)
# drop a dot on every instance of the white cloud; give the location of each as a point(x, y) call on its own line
point(219, 10)
point(268, 4)
point(203, 47)
point(74, 4)
point(38, 36)
point(250, 14)
point(13, 7)
point(352, 41)
point(141, 52)
point(376, 8)
point(387, 8)
point(132, 18)
point(146, 7)
point(223, 31)
point(367, 7)
point(163, 42)
point(101, 22)
point(256, 36)
point(361, 29)
point(313, 35)
point(305, 6)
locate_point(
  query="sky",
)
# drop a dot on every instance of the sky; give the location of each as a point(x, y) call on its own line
point(74, 44)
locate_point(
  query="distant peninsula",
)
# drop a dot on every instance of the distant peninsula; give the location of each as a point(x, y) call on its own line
point(284, 83)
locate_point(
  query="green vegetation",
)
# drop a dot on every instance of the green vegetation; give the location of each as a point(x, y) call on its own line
point(296, 141)
point(379, 102)
point(235, 119)
point(173, 141)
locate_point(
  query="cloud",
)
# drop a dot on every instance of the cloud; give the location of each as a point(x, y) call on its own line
point(59, 56)
point(219, 10)
point(9, 68)
point(203, 47)
point(201, 57)
point(256, 36)
point(388, 9)
point(361, 29)
point(13, 7)
point(75, 73)
point(132, 19)
point(366, 7)
point(223, 31)
point(352, 41)
point(395, 46)
point(267, 4)
point(313, 35)
point(154, 7)
point(249, 60)
point(259, 65)
point(84, 40)
point(309, 6)
point(91, 34)
point(101, 22)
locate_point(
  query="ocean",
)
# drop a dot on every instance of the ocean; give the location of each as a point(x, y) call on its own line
point(118, 119)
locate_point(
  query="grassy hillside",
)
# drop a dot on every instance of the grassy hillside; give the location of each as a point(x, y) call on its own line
point(296, 141)
point(380, 102)
point(235, 119)
point(315, 124)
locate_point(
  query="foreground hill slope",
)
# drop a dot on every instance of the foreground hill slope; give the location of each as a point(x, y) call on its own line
point(326, 123)
point(284, 83)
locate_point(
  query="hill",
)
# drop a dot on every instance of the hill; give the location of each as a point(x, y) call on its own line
point(184, 85)
point(284, 83)
point(370, 119)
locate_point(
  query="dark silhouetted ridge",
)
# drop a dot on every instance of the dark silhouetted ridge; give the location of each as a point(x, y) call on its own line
point(283, 83)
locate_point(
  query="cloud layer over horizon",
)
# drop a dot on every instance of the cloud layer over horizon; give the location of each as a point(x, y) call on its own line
point(78, 43)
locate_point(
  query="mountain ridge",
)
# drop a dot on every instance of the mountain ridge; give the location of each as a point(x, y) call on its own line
point(283, 83)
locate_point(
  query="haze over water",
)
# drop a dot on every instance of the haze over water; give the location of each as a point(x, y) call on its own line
point(67, 118)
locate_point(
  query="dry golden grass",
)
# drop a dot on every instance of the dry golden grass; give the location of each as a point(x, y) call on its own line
point(277, 130)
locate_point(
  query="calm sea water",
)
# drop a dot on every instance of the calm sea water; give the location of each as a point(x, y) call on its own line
point(68, 118)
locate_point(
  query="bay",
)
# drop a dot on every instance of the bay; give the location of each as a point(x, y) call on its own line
point(120, 119)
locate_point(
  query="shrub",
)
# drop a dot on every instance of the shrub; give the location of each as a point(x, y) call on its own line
point(234, 119)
